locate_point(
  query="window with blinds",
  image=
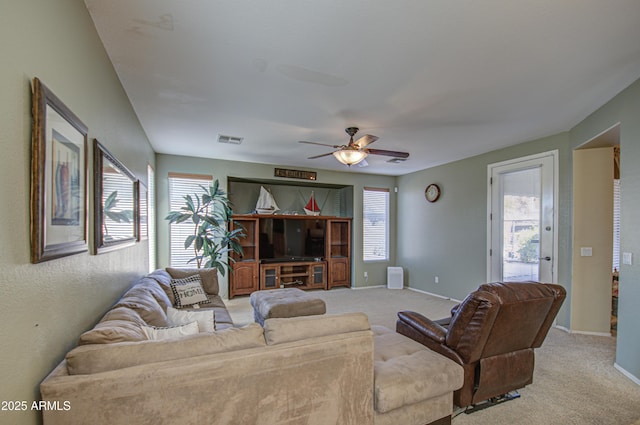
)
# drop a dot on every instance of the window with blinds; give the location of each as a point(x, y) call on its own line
point(375, 224)
point(616, 224)
point(181, 185)
point(151, 216)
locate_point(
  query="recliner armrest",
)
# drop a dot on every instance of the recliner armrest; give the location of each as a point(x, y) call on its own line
point(425, 326)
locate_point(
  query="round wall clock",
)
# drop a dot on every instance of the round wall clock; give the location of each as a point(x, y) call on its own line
point(432, 192)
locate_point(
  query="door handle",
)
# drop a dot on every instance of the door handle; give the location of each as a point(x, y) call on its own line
point(547, 258)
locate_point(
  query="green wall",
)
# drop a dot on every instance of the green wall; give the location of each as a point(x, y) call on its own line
point(624, 109)
point(45, 307)
point(222, 169)
point(448, 239)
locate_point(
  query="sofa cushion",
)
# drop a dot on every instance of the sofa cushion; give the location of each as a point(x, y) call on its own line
point(95, 358)
point(221, 315)
point(119, 324)
point(208, 276)
point(406, 372)
point(281, 330)
point(156, 334)
point(152, 287)
point(145, 305)
point(163, 279)
point(188, 291)
point(204, 318)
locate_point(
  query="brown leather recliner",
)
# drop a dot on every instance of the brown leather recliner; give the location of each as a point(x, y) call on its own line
point(492, 334)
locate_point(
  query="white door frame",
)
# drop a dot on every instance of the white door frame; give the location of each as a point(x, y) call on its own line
point(554, 155)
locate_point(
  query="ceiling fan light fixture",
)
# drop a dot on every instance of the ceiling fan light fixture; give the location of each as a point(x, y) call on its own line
point(349, 157)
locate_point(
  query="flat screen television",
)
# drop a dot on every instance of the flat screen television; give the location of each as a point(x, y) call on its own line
point(295, 239)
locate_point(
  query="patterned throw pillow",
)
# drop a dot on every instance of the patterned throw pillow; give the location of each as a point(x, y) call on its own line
point(188, 291)
point(155, 334)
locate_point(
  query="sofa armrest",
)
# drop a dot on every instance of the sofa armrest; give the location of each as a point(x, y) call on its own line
point(423, 325)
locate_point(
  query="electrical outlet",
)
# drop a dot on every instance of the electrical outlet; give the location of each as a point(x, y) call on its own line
point(366, 275)
point(437, 279)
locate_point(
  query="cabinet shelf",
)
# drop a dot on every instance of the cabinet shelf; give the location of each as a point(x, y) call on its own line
point(285, 275)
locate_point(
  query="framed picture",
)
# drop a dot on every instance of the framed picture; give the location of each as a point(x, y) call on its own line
point(115, 202)
point(143, 208)
point(58, 178)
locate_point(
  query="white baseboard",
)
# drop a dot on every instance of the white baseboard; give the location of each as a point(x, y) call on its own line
point(368, 287)
point(432, 294)
point(569, 331)
point(633, 378)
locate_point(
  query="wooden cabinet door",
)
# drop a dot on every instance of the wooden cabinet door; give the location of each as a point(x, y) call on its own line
point(244, 278)
point(269, 278)
point(339, 272)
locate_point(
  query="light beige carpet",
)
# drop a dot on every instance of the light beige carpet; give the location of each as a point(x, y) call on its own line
point(574, 380)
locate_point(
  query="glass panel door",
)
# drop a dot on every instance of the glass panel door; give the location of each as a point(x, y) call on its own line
point(522, 220)
point(521, 225)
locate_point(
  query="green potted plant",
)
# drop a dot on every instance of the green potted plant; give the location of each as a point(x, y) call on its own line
point(211, 241)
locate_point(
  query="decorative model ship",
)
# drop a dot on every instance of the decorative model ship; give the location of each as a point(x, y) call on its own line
point(266, 203)
point(312, 208)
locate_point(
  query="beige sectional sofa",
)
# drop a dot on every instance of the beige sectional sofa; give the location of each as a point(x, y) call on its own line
point(311, 370)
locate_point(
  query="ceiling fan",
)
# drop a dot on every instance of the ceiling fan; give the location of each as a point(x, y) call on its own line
point(355, 152)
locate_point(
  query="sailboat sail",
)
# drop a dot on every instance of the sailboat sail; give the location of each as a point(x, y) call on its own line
point(266, 203)
point(312, 207)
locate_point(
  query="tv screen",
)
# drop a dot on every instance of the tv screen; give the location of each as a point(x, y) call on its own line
point(291, 239)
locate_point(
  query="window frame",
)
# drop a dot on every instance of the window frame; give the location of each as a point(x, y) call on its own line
point(365, 257)
point(177, 230)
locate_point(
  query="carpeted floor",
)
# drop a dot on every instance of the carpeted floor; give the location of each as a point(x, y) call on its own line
point(574, 380)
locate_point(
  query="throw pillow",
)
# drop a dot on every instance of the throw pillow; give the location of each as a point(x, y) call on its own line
point(154, 333)
point(205, 318)
point(188, 291)
point(209, 277)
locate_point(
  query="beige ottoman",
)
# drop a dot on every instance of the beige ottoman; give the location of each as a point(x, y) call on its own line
point(286, 302)
point(412, 384)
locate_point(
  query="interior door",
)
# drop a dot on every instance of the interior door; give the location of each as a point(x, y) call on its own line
point(522, 219)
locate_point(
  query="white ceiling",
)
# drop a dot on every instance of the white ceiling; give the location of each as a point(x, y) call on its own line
point(443, 80)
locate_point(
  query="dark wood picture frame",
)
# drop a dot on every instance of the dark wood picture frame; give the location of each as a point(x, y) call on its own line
point(58, 178)
point(116, 211)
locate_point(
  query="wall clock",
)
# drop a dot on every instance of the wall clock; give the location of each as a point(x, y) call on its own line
point(432, 192)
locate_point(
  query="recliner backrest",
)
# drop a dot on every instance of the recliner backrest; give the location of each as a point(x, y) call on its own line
point(503, 317)
point(471, 324)
point(527, 310)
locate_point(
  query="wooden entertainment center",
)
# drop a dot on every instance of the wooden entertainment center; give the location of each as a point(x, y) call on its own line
point(327, 237)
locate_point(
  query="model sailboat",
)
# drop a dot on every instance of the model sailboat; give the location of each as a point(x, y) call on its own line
point(312, 208)
point(266, 203)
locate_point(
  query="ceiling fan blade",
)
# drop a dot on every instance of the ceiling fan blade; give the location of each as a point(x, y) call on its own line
point(365, 140)
point(395, 154)
point(320, 144)
point(320, 156)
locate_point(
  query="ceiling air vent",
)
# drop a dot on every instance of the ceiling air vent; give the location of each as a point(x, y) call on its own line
point(396, 160)
point(230, 139)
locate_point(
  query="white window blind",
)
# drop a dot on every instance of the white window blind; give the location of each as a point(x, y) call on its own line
point(151, 216)
point(375, 224)
point(181, 185)
point(616, 224)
